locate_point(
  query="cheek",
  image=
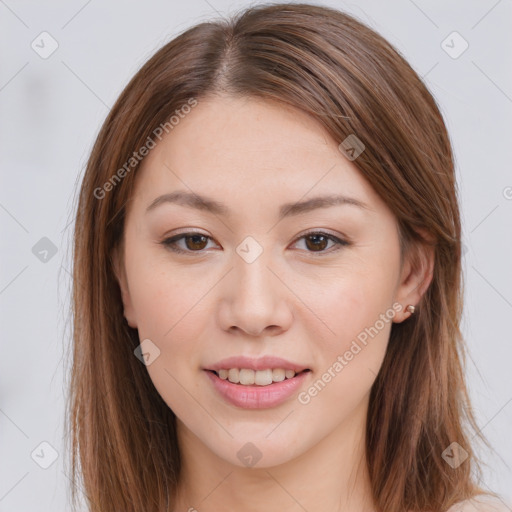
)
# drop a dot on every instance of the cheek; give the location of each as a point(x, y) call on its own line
point(166, 299)
point(357, 309)
point(351, 302)
point(361, 318)
point(172, 315)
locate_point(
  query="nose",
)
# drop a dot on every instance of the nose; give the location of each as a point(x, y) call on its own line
point(254, 300)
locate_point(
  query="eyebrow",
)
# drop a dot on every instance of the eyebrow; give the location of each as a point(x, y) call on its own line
point(196, 201)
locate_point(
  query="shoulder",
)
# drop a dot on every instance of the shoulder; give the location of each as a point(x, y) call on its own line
point(482, 503)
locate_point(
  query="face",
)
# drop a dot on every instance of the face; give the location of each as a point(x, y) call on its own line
point(239, 275)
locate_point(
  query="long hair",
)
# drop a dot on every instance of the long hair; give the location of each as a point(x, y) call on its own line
point(348, 78)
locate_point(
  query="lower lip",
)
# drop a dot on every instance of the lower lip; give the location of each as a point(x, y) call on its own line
point(257, 397)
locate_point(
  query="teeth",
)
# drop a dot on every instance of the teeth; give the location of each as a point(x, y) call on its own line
point(263, 377)
point(248, 377)
point(278, 375)
point(234, 375)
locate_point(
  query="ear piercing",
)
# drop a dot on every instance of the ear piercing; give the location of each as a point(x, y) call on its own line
point(410, 308)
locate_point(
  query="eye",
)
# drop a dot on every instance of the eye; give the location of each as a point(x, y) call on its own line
point(318, 241)
point(194, 242)
point(197, 242)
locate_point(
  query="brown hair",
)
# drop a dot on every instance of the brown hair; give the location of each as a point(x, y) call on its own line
point(351, 81)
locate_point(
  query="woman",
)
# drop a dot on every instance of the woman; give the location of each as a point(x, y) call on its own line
point(267, 280)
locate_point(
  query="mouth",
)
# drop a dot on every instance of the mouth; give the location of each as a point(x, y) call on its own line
point(256, 378)
point(256, 389)
point(257, 383)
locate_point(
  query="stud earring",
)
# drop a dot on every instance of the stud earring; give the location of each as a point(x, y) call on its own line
point(410, 308)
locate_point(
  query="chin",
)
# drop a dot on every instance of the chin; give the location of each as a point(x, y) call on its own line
point(258, 451)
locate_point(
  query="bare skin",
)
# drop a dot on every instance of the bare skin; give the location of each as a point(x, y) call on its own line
point(304, 299)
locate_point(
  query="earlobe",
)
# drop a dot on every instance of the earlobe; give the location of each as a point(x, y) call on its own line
point(120, 273)
point(417, 274)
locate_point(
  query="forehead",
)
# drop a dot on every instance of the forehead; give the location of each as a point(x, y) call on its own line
point(237, 148)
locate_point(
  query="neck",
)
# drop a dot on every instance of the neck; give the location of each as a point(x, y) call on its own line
point(331, 475)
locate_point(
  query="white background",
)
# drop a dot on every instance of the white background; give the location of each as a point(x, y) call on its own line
point(51, 110)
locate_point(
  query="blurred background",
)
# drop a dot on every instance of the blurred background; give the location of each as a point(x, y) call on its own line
point(62, 66)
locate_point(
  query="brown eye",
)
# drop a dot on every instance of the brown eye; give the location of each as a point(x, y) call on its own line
point(197, 242)
point(316, 242)
point(194, 242)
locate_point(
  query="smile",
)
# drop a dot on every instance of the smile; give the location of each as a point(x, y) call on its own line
point(248, 394)
point(248, 377)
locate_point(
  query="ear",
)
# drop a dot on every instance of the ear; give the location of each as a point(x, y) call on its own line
point(120, 273)
point(416, 275)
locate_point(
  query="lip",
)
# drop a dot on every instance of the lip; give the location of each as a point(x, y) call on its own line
point(256, 397)
point(261, 363)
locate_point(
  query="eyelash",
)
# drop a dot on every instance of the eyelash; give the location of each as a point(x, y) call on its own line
point(171, 242)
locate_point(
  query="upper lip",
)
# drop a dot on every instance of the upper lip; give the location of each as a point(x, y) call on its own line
point(261, 363)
